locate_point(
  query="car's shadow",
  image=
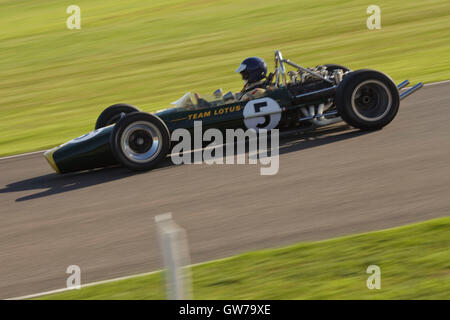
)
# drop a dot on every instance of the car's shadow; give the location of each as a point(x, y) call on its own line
point(51, 184)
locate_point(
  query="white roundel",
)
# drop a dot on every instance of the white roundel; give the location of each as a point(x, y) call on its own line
point(264, 113)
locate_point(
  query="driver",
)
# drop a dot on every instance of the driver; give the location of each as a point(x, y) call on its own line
point(253, 71)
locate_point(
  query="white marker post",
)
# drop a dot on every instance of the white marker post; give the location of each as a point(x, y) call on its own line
point(174, 248)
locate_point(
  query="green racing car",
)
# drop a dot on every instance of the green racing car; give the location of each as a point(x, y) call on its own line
point(320, 96)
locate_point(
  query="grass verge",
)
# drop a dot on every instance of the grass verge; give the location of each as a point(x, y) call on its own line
point(414, 262)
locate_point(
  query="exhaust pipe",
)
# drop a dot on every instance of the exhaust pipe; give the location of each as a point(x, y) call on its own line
point(311, 117)
point(402, 84)
point(411, 90)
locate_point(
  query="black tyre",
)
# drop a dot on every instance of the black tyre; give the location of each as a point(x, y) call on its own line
point(140, 141)
point(367, 99)
point(331, 67)
point(113, 114)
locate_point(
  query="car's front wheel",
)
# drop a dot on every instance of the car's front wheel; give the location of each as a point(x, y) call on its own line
point(367, 99)
point(140, 141)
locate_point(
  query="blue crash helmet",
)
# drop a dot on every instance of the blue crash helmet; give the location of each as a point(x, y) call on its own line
point(252, 69)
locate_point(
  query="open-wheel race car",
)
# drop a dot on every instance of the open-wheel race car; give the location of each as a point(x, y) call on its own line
point(320, 96)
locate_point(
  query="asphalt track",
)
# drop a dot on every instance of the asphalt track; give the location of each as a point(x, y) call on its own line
point(333, 182)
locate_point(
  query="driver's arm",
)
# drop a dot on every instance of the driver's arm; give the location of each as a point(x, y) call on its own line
point(253, 94)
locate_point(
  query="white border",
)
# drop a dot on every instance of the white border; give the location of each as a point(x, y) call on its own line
point(22, 155)
point(40, 294)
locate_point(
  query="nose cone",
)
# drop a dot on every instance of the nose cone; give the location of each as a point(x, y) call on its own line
point(90, 151)
point(49, 156)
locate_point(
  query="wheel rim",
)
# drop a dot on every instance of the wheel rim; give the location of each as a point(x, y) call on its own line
point(141, 142)
point(371, 100)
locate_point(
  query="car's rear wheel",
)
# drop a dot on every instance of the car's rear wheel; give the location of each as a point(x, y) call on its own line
point(113, 113)
point(331, 67)
point(140, 141)
point(367, 99)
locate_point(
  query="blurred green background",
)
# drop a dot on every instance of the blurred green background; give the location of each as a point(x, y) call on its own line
point(54, 82)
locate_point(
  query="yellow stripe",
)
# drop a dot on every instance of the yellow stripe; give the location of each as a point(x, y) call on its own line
point(49, 156)
point(179, 119)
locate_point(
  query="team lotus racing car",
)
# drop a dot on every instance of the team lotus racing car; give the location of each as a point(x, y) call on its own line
point(315, 97)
